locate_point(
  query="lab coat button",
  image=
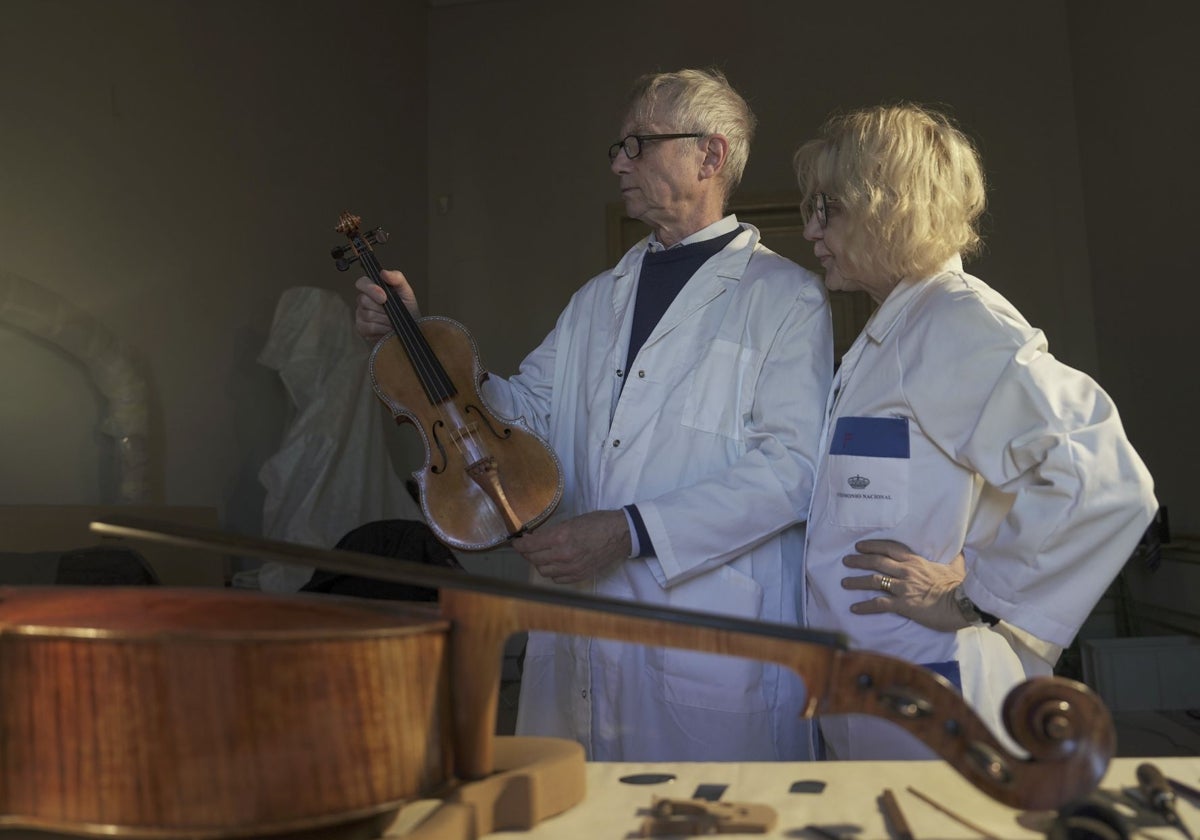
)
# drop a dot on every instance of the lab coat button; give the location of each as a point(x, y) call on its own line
point(616, 443)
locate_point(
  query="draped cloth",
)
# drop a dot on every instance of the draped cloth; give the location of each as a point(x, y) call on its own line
point(332, 472)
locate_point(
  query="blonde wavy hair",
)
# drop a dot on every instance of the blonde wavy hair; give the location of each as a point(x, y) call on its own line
point(909, 182)
point(702, 101)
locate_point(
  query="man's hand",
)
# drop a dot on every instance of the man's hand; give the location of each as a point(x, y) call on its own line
point(906, 584)
point(370, 320)
point(579, 548)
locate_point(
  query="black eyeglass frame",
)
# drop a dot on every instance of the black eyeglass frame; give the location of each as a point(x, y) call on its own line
point(820, 208)
point(640, 139)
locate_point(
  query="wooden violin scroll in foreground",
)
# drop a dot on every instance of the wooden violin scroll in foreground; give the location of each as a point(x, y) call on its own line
point(1063, 725)
point(485, 479)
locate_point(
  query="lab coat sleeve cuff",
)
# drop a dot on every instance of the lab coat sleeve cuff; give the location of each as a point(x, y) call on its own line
point(638, 537)
point(663, 564)
point(1041, 633)
point(635, 547)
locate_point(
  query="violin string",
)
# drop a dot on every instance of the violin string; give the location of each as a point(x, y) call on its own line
point(427, 365)
point(409, 332)
point(419, 353)
point(414, 344)
point(466, 429)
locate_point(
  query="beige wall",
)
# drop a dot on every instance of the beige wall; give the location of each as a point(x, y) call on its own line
point(1135, 80)
point(169, 168)
point(172, 166)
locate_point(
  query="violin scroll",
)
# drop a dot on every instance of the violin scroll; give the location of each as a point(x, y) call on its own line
point(348, 225)
point(1054, 718)
point(1062, 725)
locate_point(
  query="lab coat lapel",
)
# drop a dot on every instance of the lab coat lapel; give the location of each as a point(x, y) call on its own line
point(625, 275)
point(615, 340)
point(716, 277)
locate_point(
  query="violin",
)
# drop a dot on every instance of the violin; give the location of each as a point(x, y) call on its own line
point(485, 480)
point(426, 690)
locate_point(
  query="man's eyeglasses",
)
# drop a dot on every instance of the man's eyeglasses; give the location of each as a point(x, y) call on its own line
point(819, 207)
point(633, 143)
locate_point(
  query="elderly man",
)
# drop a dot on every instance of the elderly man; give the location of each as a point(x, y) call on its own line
point(683, 392)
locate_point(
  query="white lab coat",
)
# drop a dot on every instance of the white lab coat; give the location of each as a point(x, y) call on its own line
point(1014, 458)
point(714, 438)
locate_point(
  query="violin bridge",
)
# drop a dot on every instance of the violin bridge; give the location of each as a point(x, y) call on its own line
point(464, 432)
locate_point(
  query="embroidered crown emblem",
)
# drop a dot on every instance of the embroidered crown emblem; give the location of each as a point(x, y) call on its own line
point(858, 482)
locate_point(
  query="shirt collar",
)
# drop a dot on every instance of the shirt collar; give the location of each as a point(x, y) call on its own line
point(885, 317)
point(717, 228)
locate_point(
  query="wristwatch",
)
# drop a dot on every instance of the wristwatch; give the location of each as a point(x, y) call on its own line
point(971, 613)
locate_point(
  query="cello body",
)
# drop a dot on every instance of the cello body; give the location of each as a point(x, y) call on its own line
point(171, 713)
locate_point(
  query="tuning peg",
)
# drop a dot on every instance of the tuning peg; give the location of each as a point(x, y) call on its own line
point(377, 236)
point(338, 252)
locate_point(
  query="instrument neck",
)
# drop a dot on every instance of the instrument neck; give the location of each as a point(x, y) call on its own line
point(437, 384)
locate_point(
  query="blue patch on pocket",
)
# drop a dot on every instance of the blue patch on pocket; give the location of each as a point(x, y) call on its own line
point(874, 437)
point(949, 670)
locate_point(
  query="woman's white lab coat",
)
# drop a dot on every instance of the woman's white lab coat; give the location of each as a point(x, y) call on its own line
point(714, 437)
point(952, 428)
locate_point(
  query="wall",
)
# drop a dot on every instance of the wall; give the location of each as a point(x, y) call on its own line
point(169, 168)
point(1140, 175)
point(1135, 76)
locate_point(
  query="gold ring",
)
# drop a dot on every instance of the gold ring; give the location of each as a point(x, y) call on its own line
point(885, 584)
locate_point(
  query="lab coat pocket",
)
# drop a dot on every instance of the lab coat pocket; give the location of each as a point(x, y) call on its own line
point(710, 681)
point(722, 388)
point(868, 472)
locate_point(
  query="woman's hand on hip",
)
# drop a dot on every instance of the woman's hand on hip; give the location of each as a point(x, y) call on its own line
point(907, 584)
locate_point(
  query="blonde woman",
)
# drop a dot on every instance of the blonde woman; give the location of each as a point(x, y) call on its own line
point(974, 496)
